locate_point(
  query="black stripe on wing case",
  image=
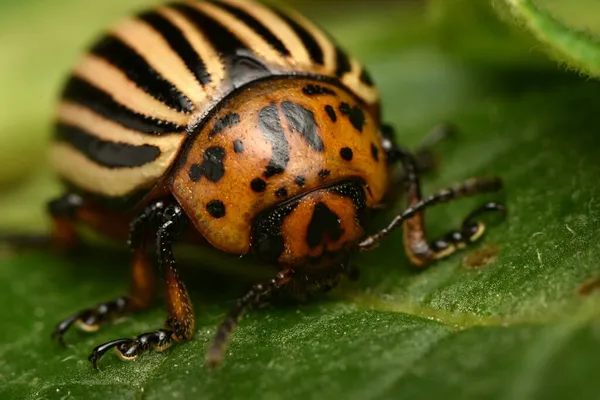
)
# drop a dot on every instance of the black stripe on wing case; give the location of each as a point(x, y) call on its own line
point(365, 78)
point(179, 44)
point(256, 26)
point(310, 43)
point(224, 41)
point(342, 62)
point(105, 153)
point(136, 68)
point(82, 92)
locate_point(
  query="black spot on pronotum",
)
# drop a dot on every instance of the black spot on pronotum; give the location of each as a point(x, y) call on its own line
point(216, 208)
point(195, 172)
point(303, 121)
point(238, 146)
point(331, 113)
point(354, 114)
point(258, 185)
point(316, 90)
point(213, 163)
point(271, 129)
point(324, 173)
point(300, 181)
point(346, 153)
point(272, 170)
point(281, 192)
point(212, 167)
point(323, 222)
point(374, 152)
point(224, 123)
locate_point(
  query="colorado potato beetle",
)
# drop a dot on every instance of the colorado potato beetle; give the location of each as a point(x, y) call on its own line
point(248, 128)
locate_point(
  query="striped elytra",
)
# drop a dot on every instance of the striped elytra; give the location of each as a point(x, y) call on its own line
point(151, 77)
point(154, 107)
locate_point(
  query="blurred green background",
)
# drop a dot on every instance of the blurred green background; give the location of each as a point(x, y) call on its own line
point(516, 317)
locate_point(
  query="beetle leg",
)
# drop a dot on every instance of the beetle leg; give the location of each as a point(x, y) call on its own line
point(256, 296)
point(63, 211)
point(143, 282)
point(419, 250)
point(67, 212)
point(287, 282)
point(180, 323)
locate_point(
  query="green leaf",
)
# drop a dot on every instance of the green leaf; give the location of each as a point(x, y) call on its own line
point(515, 317)
point(577, 48)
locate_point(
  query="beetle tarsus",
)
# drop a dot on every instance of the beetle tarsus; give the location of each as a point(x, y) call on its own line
point(90, 319)
point(470, 231)
point(130, 349)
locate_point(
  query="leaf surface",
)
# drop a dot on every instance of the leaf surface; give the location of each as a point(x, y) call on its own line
point(515, 317)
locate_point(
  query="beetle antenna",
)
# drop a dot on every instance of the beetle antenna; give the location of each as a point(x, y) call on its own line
point(468, 188)
point(256, 296)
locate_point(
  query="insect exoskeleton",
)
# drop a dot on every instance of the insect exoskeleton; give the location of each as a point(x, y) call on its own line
point(272, 162)
point(248, 126)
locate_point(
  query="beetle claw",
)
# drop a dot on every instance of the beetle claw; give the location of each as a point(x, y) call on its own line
point(89, 320)
point(99, 351)
point(61, 328)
